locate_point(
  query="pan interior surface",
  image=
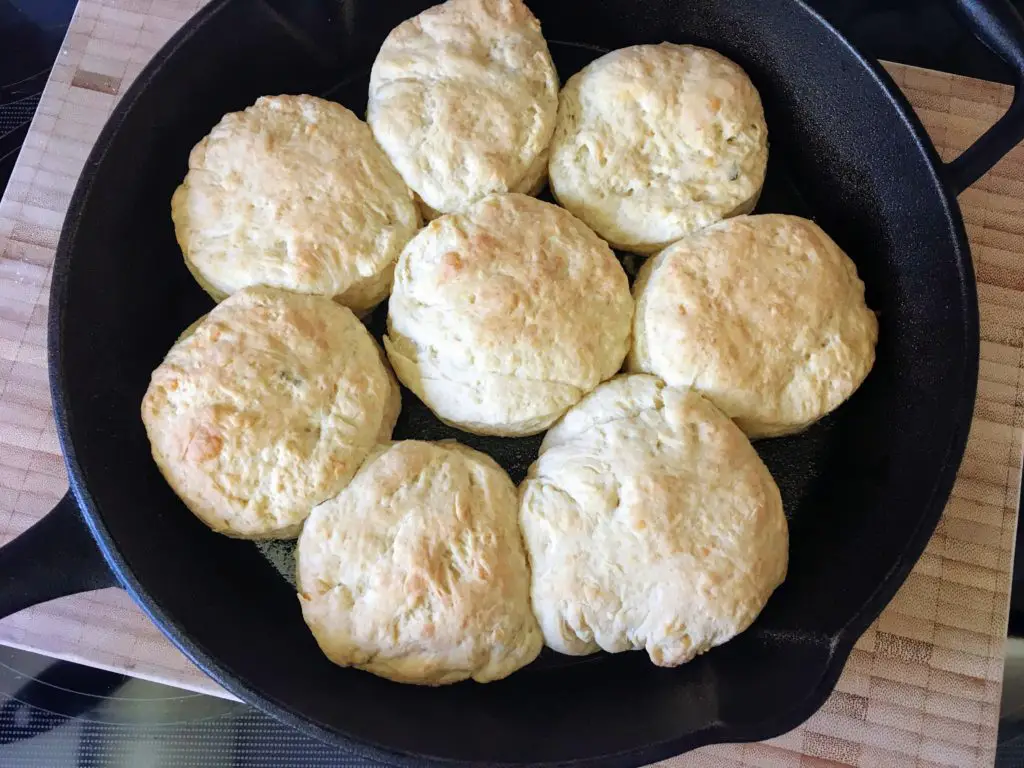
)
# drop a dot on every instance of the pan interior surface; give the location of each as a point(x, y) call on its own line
point(862, 489)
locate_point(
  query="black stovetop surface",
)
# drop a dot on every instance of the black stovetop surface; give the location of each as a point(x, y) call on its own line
point(62, 714)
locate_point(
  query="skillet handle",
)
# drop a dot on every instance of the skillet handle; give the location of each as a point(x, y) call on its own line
point(998, 25)
point(55, 557)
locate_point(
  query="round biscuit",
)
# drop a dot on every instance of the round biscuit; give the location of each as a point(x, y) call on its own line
point(505, 315)
point(763, 315)
point(463, 99)
point(650, 524)
point(654, 142)
point(265, 408)
point(294, 193)
point(416, 571)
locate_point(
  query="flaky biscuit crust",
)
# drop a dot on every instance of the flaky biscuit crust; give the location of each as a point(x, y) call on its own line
point(654, 142)
point(505, 315)
point(294, 193)
point(416, 571)
point(265, 408)
point(463, 99)
point(651, 524)
point(764, 315)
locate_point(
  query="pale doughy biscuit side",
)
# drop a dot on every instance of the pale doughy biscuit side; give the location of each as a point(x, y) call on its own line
point(265, 408)
point(294, 193)
point(416, 571)
point(764, 315)
point(463, 99)
point(504, 316)
point(654, 142)
point(650, 524)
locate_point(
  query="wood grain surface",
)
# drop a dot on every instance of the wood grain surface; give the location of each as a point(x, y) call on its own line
point(922, 687)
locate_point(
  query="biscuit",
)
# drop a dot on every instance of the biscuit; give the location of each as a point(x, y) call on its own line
point(504, 316)
point(267, 408)
point(463, 99)
point(764, 315)
point(650, 523)
point(416, 571)
point(654, 142)
point(294, 193)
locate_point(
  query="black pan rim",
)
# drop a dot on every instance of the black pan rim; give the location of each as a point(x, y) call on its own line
point(220, 671)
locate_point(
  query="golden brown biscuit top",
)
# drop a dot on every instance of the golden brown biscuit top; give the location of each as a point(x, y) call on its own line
point(267, 408)
point(463, 100)
point(416, 571)
point(653, 142)
point(513, 308)
point(651, 524)
point(292, 192)
point(765, 315)
point(519, 286)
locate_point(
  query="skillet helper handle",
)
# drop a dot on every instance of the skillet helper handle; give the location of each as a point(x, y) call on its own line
point(1000, 27)
point(55, 557)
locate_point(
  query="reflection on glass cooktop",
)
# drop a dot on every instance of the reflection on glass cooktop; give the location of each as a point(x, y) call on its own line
point(30, 35)
point(56, 713)
point(63, 714)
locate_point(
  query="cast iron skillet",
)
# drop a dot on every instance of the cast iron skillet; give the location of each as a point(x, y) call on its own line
point(863, 490)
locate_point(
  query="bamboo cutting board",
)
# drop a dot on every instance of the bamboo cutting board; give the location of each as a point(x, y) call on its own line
point(922, 687)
